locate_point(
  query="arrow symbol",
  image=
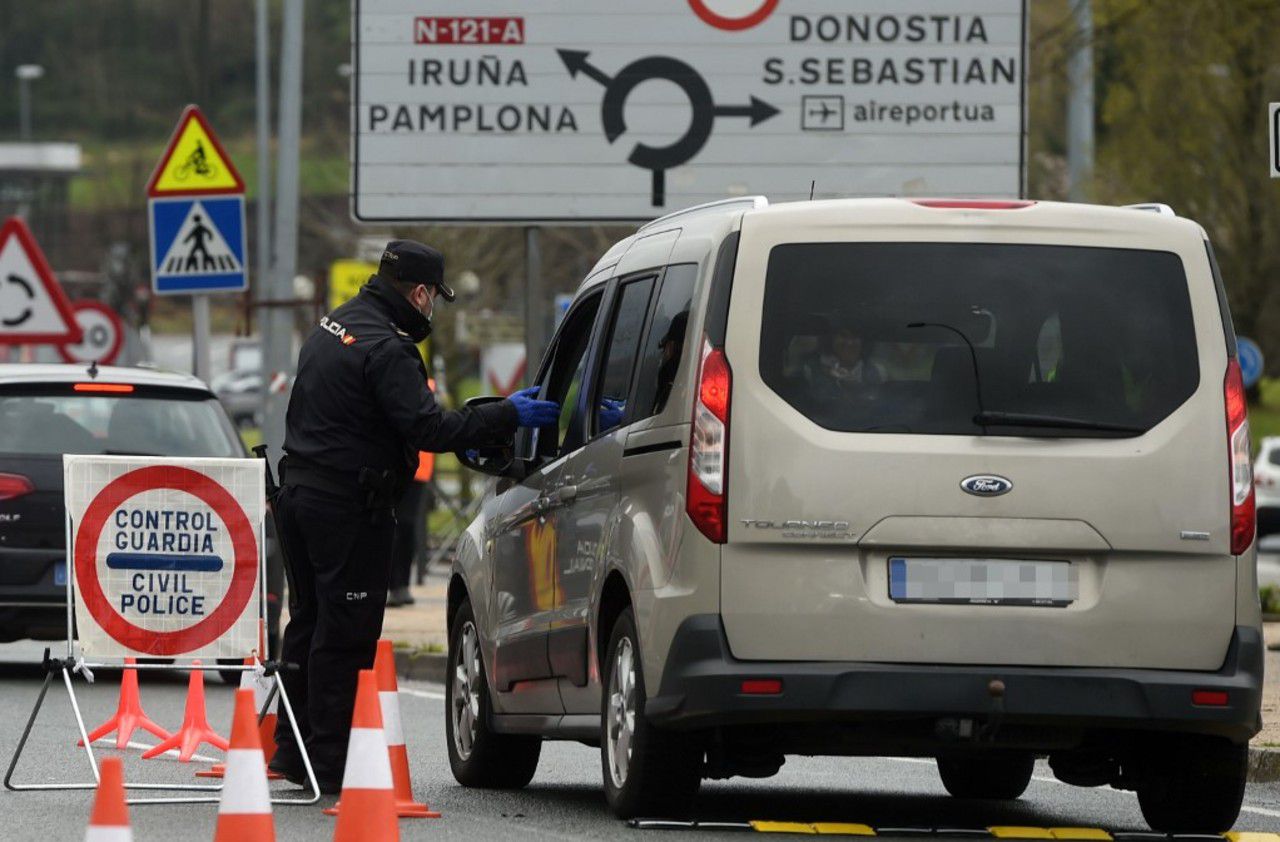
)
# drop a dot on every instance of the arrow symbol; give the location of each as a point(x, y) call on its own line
point(575, 61)
point(758, 111)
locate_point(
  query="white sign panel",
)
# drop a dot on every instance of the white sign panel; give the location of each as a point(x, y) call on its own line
point(167, 555)
point(580, 110)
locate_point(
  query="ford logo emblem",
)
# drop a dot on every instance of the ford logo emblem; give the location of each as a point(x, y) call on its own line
point(986, 485)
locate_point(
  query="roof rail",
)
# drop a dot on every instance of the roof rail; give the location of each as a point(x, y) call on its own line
point(747, 203)
point(1153, 207)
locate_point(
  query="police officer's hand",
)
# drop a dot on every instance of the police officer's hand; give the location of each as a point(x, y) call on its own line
point(611, 412)
point(533, 412)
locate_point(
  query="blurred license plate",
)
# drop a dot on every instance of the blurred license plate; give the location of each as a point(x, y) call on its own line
point(983, 581)
point(60, 573)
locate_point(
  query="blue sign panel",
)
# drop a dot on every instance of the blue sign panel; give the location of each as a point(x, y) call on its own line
point(1250, 356)
point(197, 245)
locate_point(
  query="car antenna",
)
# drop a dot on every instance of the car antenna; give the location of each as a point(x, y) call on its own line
point(93, 370)
point(812, 184)
point(973, 357)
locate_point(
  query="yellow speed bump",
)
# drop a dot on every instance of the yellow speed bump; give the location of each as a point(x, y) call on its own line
point(1246, 836)
point(783, 827)
point(1080, 833)
point(1015, 832)
point(843, 829)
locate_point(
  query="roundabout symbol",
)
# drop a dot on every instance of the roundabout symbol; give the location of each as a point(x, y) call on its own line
point(659, 159)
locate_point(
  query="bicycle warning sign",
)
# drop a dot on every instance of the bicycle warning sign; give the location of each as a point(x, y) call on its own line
point(194, 163)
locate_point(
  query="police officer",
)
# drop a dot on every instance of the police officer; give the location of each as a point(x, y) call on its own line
point(359, 413)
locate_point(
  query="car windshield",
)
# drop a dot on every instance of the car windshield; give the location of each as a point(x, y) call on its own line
point(53, 424)
point(973, 338)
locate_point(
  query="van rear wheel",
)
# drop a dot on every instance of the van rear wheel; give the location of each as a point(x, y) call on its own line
point(647, 771)
point(999, 777)
point(1194, 785)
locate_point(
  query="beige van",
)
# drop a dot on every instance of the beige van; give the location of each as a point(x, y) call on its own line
point(967, 480)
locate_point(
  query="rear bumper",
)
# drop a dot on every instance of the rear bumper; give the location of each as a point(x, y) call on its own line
point(32, 603)
point(701, 688)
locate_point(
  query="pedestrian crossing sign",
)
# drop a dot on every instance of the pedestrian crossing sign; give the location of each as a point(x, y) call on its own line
point(194, 163)
point(197, 245)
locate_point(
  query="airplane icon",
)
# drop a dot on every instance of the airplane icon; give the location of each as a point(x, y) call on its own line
point(822, 113)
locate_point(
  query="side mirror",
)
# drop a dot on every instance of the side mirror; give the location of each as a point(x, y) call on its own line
point(494, 459)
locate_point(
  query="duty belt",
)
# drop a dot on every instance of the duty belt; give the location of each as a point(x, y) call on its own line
point(369, 488)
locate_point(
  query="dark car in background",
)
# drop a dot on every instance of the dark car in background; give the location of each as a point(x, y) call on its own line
point(49, 410)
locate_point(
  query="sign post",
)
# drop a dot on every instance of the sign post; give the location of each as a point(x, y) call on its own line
point(195, 212)
point(1273, 148)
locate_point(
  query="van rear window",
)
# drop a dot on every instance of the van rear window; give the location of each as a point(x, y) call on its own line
point(975, 338)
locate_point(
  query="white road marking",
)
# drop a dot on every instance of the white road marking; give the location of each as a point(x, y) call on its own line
point(1244, 808)
point(423, 694)
point(137, 746)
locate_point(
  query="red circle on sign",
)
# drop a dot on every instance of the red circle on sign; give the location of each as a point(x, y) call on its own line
point(719, 21)
point(243, 577)
point(117, 342)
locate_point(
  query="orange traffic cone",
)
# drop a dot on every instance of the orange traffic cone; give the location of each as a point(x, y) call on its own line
point(261, 687)
point(384, 668)
point(368, 800)
point(244, 813)
point(129, 715)
point(195, 725)
point(109, 821)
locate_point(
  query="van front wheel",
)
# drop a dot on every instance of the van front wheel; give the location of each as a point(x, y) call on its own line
point(646, 770)
point(1000, 777)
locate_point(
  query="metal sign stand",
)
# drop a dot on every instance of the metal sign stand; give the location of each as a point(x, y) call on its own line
point(72, 663)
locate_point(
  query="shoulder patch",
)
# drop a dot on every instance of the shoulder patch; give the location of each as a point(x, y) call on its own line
point(329, 325)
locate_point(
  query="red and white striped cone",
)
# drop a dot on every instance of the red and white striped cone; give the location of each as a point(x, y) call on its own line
point(109, 821)
point(384, 668)
point(244, 811)
point(260, 684)
point(368, 811)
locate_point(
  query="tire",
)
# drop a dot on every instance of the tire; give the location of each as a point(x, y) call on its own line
point(659, 772)
point(1194, 785)
point(478, 756)
point(994, 776)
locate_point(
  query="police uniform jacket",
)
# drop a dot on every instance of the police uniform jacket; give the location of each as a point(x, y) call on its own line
point(361, 399)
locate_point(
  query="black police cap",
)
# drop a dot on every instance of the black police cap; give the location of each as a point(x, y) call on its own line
point(414, 263)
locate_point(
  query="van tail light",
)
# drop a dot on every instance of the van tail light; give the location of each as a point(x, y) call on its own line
point(707, 497)
point(13, 486)
point(1244, 513)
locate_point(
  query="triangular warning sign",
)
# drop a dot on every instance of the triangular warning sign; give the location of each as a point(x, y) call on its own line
point(33, 308)
point(199, 248)
point(194, 163)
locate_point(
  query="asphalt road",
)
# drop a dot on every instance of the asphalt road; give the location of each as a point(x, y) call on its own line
point(563, 802)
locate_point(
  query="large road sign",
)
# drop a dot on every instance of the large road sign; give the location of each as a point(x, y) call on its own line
point(197, 245)
point(33, 308)
point(167, 555)
point(603, 110)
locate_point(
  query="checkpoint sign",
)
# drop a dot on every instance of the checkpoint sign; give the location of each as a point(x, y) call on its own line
point(195, 211)
point(167, 555)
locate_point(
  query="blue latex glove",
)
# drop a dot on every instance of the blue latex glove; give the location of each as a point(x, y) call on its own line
point(533, 412)
point(611, 413)
point(473, 455)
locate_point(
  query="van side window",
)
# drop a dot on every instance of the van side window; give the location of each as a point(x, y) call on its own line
point(620, 356)
point(665, 342)
point(563, 379)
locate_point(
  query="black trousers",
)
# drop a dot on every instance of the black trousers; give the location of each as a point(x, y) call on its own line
point(341, 558)
point(410, 514)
